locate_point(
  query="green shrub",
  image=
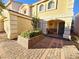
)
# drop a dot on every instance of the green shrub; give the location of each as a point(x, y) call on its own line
point(74, 38)
point(31, 33)
point(35, 33)
point(25, 34)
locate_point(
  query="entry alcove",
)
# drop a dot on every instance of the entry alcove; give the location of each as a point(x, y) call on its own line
point(55, 27)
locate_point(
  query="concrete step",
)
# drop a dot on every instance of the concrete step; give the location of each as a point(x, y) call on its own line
point(67, 36)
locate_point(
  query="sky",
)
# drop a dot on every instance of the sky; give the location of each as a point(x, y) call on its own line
point(76, 7)
point(76, 4)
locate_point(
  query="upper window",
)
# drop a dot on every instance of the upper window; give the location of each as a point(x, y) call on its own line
point(25, 11)
point(51, 4)
point(41, 8)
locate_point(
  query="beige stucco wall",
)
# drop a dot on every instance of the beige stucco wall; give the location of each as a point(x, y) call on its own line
point(60, 8)
point(6, 22)
point(27, 8)
point(52, 24)
point(19, 24)
point(63, 10)
point(24, 24)
point(1, 23)
point(15, 23)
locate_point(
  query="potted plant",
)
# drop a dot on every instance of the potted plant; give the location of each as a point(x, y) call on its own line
point(30, 38)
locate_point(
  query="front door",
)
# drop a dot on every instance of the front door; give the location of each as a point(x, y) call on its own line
point(61, 29)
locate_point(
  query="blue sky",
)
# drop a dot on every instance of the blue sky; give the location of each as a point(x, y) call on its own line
point(76, 4)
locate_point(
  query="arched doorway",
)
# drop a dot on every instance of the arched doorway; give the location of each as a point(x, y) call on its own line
point(55, 27)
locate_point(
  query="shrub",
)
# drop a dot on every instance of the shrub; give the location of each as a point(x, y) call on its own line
point(25, 34)
point(74, 38)
point(31, 34)
point(35, 33)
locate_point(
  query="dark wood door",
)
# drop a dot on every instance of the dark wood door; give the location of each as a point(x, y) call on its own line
point(61, 28)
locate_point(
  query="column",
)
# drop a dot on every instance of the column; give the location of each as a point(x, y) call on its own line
point(67, 30)
point(13, 27)
point(68, 19)
point(45, 27)
point(57, 27)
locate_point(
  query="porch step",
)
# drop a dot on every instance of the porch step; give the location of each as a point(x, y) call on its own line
point(3, 36)
point(53, 36)
point(67, 37)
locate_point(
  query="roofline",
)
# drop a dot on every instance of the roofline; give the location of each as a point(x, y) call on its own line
point(20, 14)
point(39, 2)
point(18, 2)
point(23, 5)
point(77, 15)
point(10, 1)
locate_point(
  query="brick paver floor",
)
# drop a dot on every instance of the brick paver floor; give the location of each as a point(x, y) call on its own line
point(12, 50)
point(49, 42)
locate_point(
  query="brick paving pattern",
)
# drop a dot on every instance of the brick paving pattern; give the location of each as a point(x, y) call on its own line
point(49, 48)
point(52, 43)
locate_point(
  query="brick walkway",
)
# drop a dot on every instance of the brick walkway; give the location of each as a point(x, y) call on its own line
point(12, 50)
point(52, 43)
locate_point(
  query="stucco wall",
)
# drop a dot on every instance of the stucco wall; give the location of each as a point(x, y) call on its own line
point(19, 24)
point(25, 9)
point(6, 22)
point(62, 8)
point(15, 23)
point(24, 24)
point(1, 24)
point(63, 11)
point(52, 24)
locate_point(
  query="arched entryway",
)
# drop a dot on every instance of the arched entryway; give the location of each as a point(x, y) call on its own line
point(55, 27)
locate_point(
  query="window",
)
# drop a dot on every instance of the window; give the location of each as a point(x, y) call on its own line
point(51, 5)
point(25, 11)
point(41, 8)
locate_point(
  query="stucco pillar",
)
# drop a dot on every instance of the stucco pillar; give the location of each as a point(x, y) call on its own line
point(13, 27)
point(57, 27)
point(6, 22)
point(68, 19)
point(44, 27)
point(10, 24)
point(67, 30)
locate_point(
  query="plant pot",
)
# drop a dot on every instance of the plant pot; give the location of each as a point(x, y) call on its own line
point(29, 42)
point(23, 41)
